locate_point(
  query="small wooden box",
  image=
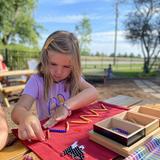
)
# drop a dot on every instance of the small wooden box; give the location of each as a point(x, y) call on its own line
point(154, 106)
point(150, 123)
point(147, 110)
point(105, 128)
point(117, 147)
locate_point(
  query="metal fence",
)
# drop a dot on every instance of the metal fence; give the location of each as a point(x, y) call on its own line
point(18, 60)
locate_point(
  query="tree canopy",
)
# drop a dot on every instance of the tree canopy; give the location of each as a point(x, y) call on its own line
point(17, 24)
point(84, 31)
point(143, 25)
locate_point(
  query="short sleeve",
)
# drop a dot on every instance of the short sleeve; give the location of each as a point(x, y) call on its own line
point(82, 79)
point(31, 87)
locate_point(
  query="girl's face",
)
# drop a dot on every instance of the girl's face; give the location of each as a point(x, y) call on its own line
point(59, 65)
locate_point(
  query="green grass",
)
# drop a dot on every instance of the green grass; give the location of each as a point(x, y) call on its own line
point(126, 74)
point(117, 67)
point(121, 73)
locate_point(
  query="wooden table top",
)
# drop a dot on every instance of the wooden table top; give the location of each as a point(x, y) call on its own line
point(17, 73)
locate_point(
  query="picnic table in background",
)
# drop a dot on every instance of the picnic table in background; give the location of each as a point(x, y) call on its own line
point(10, 84)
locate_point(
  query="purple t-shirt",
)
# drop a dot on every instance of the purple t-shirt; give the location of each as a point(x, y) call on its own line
point(35, 88)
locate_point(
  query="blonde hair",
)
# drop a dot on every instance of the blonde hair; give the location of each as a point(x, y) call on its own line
point(62, 42)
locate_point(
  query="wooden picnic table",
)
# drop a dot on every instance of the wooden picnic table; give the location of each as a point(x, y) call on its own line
point(17, 150)
point(7, 87)
point(27, 72)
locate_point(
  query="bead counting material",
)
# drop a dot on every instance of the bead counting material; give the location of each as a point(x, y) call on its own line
point(119, 130)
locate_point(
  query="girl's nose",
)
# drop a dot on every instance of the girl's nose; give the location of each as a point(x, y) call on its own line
point(58, 70)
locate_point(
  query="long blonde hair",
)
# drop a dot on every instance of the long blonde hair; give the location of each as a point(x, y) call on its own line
point(65, 43)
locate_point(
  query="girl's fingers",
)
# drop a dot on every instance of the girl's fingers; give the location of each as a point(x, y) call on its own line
point(38, 132)
point(22, 134)
point(30, 133)
point(51, 122)
point(61, 118)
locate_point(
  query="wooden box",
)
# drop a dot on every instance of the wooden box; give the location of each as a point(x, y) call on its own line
point(150, 123)
point(117, 147)
point(107, 128)
point(154, 106)
point(147, 110)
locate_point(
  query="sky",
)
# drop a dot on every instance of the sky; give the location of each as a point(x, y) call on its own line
point(66, 14)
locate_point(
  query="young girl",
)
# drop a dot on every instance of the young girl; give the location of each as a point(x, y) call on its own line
point(3, 129)
point(58, 88)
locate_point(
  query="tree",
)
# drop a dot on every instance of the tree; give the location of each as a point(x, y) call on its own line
point(17, 23)
point(143, 25)
point(84, 31)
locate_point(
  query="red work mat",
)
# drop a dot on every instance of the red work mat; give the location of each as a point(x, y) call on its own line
point(52, 148)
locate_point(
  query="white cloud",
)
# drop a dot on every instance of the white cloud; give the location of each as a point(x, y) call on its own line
point(60, 19)
point(104, 42)
point(66, 19)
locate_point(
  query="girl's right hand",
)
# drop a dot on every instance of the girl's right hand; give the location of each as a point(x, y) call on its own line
point(30, 128)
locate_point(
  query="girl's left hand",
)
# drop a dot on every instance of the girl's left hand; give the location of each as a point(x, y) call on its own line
point(60, 114)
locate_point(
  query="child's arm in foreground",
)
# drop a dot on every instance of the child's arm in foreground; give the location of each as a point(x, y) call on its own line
point(87, 95)
point(29, 125)
point(3, 129)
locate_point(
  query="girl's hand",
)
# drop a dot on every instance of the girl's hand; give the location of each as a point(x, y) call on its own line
point(60, 114)
point(30, 128)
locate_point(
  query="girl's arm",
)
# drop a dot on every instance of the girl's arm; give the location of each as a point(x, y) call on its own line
point(3, 129)
point(87, 95)
point(29, 125)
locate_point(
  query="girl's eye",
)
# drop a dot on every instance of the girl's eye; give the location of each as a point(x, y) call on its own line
point(67, 67)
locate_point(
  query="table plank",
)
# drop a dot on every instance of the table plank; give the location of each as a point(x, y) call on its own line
point(17, 72)
point(122, 100)
point(15, 150)
point(30, 154)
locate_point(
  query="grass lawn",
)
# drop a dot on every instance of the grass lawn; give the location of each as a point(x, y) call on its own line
point(120, 72)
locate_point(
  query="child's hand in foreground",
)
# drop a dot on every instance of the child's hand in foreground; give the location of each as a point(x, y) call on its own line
point(30, 128)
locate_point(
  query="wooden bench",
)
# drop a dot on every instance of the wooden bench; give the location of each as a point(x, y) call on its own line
point(9, 88)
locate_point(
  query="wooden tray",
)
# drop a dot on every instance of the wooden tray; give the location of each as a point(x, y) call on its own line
point(122, 100)
point(154, 106)
point(147, 110)
point(117, 147)
point(150, 123)
point(106, 128)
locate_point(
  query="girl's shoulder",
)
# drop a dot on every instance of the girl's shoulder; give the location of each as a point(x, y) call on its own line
point(36, 77)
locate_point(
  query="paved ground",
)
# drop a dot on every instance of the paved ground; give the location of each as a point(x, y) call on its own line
point(149, 87)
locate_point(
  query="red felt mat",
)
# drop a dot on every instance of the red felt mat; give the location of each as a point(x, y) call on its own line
point(58, 142)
